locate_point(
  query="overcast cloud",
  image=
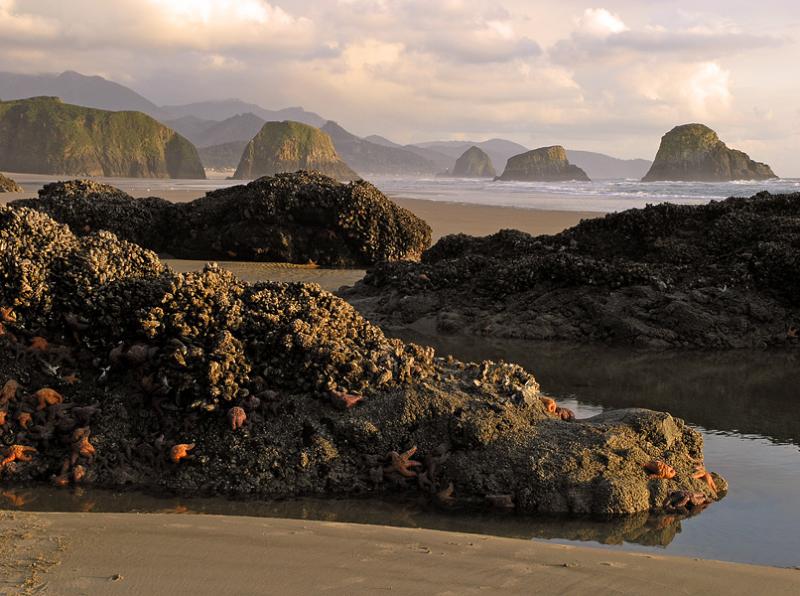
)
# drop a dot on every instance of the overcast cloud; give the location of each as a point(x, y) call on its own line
point(610, 75)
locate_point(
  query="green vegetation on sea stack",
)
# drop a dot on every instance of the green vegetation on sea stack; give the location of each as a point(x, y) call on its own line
point(694, 152)
point(43, 135)
point(549, 164)
point(290, 146)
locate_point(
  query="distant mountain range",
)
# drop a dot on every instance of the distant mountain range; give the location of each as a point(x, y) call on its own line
point(220, 128)
point(366, 157)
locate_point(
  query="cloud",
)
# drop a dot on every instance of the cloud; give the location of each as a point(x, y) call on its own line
point(699, 90)
point(599, 23)
point(18, 26)
point(600, 35)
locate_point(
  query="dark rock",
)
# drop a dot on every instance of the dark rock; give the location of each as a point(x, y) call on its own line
point(717, 276)
point(296, 218)
point(474, 163)
point(8, 185)
point(206, 342)
point(694, 152)
point(548, 164)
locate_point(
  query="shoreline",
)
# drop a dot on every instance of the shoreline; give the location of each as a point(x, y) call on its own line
point(444, 217)
point(128, 553)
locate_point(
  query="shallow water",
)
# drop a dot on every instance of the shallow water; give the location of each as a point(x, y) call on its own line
point(745, 404)
point(328, 279)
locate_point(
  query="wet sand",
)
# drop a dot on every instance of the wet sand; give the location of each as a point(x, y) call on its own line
point(125, 553)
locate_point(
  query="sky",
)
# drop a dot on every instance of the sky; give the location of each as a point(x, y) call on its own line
point(609, 76)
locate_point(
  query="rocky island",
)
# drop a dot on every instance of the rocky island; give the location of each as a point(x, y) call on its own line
point(8, 185)
point(547, 164)
point(718, 276)
point(694, 152)
point(290, 146)
point(474, 163)
point(296, 218)
point(43, 135)
point(117, 372)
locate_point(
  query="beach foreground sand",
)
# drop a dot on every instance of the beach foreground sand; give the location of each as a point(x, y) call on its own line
point(127, 553)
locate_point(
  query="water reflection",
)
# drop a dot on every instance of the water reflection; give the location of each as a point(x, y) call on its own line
point(641, 529)
point(750, 393)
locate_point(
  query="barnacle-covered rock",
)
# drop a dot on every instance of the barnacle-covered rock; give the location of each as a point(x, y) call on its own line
point(298, 218)
point(720, 276)
point(147, 365)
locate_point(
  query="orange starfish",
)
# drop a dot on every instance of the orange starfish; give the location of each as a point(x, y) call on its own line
point(47, 397)
point(71, 379)
point(402, 462)
point(659, 469)
point(180, 451)
point(8, 392)
point(550, 404)
point(78, 473)
point(24, 419)
point(7, 314)
point(39, 344)
point(702, 474)
point(565, 414)
point(344, 400)
point(237, 417)
point(3, 415)
point(17, 453)
point(61, 480)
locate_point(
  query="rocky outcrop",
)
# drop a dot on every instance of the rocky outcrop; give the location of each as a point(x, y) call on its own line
point(694, 152)
point(296, 218)
point(8, 185)
point(474, 163)
point(202, 384)
point(547, 164)
point(718, 276)
point(42, 135)
point(290, 146)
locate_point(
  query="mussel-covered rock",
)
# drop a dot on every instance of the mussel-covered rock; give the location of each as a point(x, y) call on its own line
point(297, 218)
point(717, 276)
point(116, 371)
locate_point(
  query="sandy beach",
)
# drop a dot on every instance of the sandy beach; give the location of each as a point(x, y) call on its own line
point(107, 553)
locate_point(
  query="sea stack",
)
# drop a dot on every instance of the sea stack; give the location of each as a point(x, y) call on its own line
point(694, 153)
point(43, 135)
point(288, 146)
point(474, 163)
point(8, 185)
point(546, 164)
